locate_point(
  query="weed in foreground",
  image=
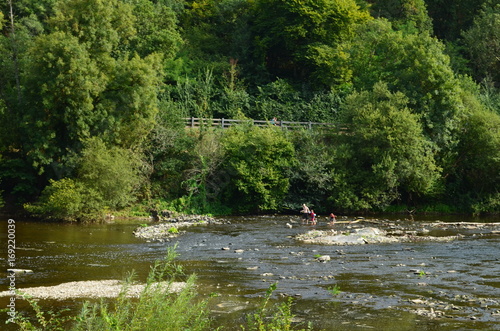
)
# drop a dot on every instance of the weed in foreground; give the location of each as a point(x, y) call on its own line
point(280, 320)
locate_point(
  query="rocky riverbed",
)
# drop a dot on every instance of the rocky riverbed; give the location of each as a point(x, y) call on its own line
point(362, 236)
point(419, 284)
point(170, 227)
point(357, 233)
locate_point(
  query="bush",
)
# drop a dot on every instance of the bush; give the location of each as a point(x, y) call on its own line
point(108, 177)
point(385, 154)
point(114, 172)
point(66, 199)
point(256, 165)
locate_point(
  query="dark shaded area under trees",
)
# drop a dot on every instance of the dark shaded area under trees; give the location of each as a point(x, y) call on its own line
point(93, 92)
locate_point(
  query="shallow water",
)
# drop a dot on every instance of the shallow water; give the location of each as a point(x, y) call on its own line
point(380, 285)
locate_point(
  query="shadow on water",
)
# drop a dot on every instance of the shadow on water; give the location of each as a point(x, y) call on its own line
point(379, 286)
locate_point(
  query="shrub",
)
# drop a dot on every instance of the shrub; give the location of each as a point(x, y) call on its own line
point(281, 319)
point(256, 165)
point(114, 172)
point(66, 199)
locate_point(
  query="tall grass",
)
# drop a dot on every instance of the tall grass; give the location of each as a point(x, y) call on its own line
point(157, 308)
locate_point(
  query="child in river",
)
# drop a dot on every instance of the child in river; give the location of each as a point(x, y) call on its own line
point(313, 217)
point(332, 219)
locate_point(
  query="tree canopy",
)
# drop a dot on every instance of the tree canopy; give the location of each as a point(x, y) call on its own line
point(94, 93)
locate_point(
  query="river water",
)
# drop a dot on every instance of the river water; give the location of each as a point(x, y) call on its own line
point(397, 286)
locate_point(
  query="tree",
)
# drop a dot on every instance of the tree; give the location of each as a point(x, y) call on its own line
point(215, 31)
point(408, 15)
point(62, 84)
point(384, 155)
point(156, 29)
point(311, 179)
point(256, 163)
point(101, 26)
point(114, 173)
point(416, 65)
point(474, 179)
point(451, 18)
point(483, 42)
point(82, 83)
point(301, 39)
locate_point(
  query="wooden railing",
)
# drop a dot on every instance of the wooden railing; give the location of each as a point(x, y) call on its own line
point(224, 123)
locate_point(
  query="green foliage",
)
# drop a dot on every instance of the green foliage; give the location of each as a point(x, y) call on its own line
point(107, 178)
point(126, 73)
point(257, 163)
point(131, 100)
point(113, 172)
point(283, 100)
point(449, 18)
point(281, 319)
point(384, 153)
point(483, 42)
point(300, 39)
point(490, 204)
point(490, 96)
point(81, 83)
point(334, 290)
point(171, 147)
point(311, 180)
point(66, 199)
point(407, 15)
point(64, 80)
point(18, 178)
point(156, 29)
point(173, 230)
point(417, 66)
point(45, 320)
point(101, 26)
point(477, 157)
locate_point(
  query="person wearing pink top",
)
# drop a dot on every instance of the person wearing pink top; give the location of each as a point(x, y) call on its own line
point(333, 219)
point(313, 217)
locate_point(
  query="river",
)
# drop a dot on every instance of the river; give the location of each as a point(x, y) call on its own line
point(386, 287)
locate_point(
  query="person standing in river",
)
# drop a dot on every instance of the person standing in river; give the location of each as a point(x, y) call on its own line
point(305, 213)
point(313, 217)
point(332, 219)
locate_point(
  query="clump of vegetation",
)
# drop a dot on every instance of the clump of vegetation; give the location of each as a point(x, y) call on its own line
point(281, 316)
point(173, 230)
point(334, 290)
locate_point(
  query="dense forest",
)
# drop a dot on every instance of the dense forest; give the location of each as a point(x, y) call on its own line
point(93, 94)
